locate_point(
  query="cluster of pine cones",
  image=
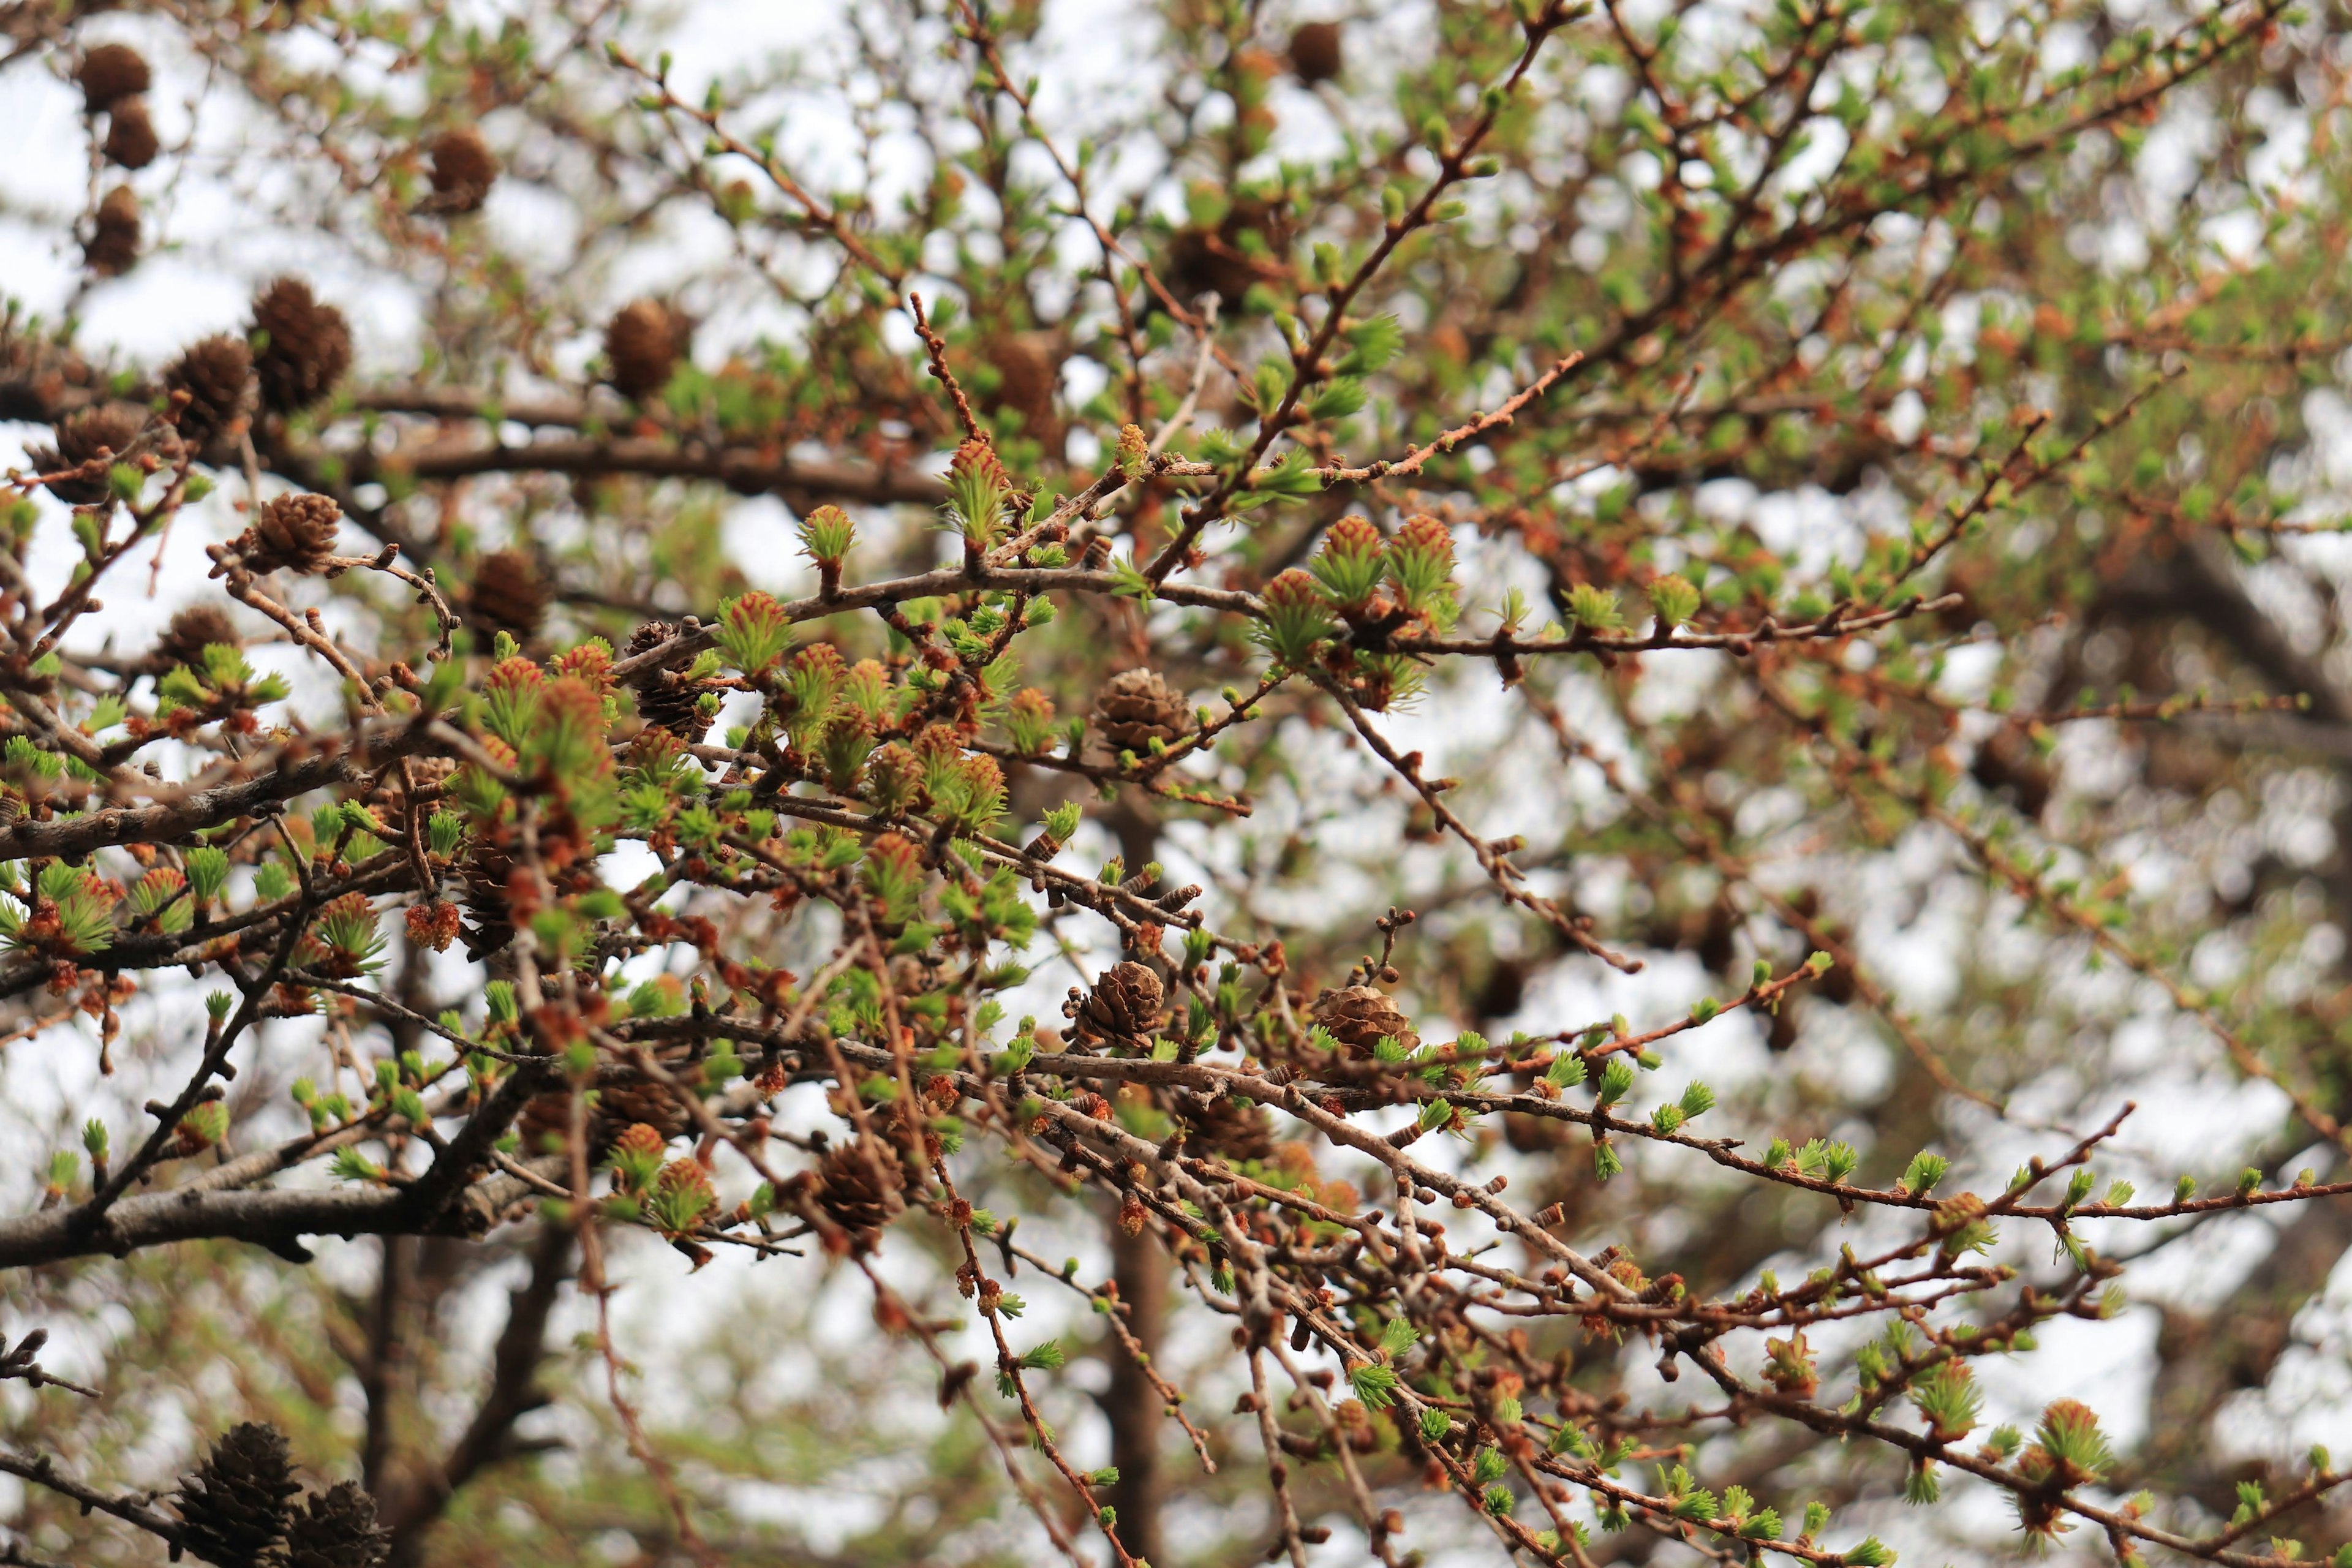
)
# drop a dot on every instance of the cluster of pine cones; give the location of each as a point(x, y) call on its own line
point(237, 1510)
point(304, 351)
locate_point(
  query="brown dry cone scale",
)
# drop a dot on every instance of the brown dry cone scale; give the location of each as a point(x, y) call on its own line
point(131, 140)
point(110, 73)
point(1125, 1002)
point(849, 1193)
point(1359, 1016)
point(217, 375)
point(664, 697)
point(193, 630)
point(642, 343)
point(307, 346)
point(1315, 53)
point(113, 246)
point(235, 1505)
point(463, 168)
point(295, 533)
point(86, 435)
point(1135, 707)
point(507, 595)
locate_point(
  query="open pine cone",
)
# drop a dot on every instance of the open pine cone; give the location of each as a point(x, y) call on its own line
point(110, 73)
point(295, 533)
point(507, 595)
point(217, 375)
point(193, 630)
point(1235, 1129)
point(1136, 707)
point(131, 139)
point(337, 1529)
point(1357, 1016)
point(626, 1098)
point(87, 436)
point(1315, 52)
point(642, 343)
point(1214, 260)
point(463, 168)
point(112, 248)
point(1125, 1002)
point(308, 347)
point(664, 699)
point(849, 1193)
point(1029, 376)
point(235, 1505)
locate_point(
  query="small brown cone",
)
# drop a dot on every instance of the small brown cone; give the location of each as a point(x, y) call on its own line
point(463, 168)
point(490, 922)
point(849, 1193)
point(112, 248)
point(193, 630)
point(295, 533)
point(627, 1104)
point(337, 1529)
point(1136, 707)
point(1202, 261)
point(1029, 370)
point(1359, 1016)
point(1125, 1002)
point(308, 346)
point(110, 73)
point(217, 375)
point(507, 595)
point(131, 140)
point(235, 1505)
point(642, 343)
point(1235, 1129)
point(664, 697)
point(86, 435)
point(1315, 52)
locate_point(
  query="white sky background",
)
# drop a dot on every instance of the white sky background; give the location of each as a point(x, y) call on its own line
point(203, 286)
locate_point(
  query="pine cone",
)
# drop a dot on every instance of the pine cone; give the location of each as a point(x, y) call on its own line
point(848, 1193)
point(234, 1506)
point(131, 140)
point(191, 631)
point(295, 533)
point(643, 344)
point(507, 595)
point(664, 697)
point(1359, 1016)
point(1235, 1129)
point(308, 347)
point(1202, 261)
point(1029, 377)
point(1315, 55)
point(1136, 707)
point(113, 246)
point(110, 73)
point(337, 1530)
point(89, 435)
point(463, 170)
point(1125, 1002)
point(626, 1098)
point(217, 375)
point(487, 870)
